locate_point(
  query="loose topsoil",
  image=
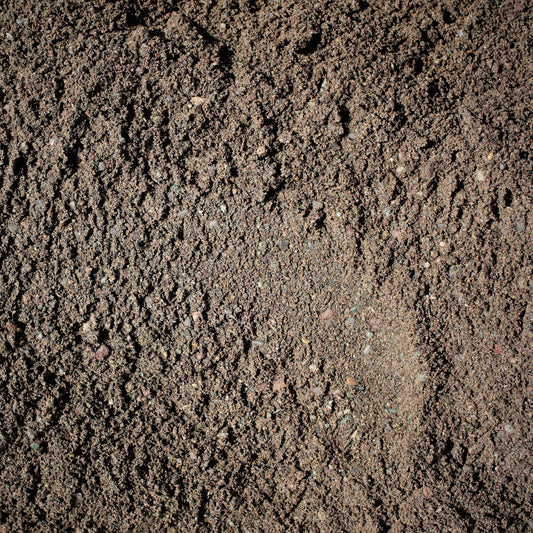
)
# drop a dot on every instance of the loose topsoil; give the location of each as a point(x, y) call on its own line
point(265, 266)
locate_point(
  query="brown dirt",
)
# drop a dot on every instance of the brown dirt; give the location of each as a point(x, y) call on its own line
point(265, 266)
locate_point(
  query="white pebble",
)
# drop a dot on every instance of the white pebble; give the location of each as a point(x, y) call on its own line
point(480, 176)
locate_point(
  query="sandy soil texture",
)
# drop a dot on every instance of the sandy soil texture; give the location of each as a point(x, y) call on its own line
point(266, 266)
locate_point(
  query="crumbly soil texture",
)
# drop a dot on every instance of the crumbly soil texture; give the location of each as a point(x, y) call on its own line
point(266, 266)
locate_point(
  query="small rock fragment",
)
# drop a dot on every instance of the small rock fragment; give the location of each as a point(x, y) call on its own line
point(351, 382)
point(317, 390)
point(102, 352)
point(327, 315)
point(278, 385)
point(89, 329)
point(261, 151)
point(313, 368)
point(198, 100)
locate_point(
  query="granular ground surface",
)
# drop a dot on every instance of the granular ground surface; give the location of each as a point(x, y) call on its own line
point(265, 266)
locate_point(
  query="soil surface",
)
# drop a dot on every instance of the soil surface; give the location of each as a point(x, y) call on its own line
point(266, 266)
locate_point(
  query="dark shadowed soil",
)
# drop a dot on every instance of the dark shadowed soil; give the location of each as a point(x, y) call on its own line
point(266, 266)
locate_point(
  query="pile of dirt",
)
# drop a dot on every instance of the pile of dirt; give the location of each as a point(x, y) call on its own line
point(265, 266)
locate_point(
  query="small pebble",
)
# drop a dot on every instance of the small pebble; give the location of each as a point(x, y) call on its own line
point(278, 385)
point(317, 390)
point(213, 224)
point(480, 176)
point(101, 166)
point(313, 368)
point(198, 100)
point(285, 138)
point(509, 429)
point(367, 349)
point(351, 382)
point(102, 352)
point(327, 315)
point(261, 151)
point(257, 343)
